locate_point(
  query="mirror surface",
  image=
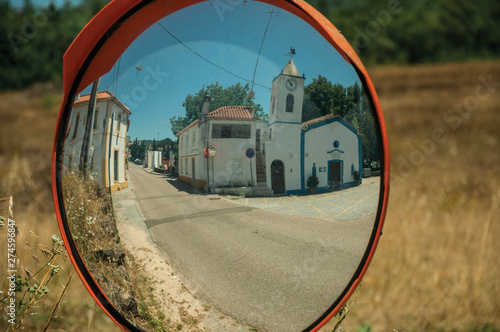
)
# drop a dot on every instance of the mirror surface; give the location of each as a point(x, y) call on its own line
point(245, 147)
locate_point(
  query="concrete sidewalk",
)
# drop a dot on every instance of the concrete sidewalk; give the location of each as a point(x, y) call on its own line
point(347, 204)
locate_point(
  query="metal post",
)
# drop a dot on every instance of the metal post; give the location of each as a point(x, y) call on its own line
point(251, 176)
point(213, 176)
point(109, 151)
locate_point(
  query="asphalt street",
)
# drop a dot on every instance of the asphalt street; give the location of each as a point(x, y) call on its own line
point(271, 270)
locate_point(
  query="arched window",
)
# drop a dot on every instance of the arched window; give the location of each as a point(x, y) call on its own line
point(289, 103)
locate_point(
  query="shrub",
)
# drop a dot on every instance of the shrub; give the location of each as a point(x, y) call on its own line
point(312, 182)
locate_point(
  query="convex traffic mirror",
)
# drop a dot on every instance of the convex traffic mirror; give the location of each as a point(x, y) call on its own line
point(244, 144)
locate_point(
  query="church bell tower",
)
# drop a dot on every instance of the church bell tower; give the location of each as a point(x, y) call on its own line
point(287, 96)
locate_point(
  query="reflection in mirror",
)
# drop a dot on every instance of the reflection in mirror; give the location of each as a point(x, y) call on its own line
point(252, 184)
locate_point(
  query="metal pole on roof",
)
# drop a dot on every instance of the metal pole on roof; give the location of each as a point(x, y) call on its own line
point(87, 135)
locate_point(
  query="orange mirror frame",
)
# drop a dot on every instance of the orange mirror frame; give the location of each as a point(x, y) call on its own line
point(98, 47)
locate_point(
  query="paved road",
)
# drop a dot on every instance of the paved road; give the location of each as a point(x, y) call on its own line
point(266, 269)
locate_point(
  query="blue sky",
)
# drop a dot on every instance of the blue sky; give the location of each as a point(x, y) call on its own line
point(226, 44)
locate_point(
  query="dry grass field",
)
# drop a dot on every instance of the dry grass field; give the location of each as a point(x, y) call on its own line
point(27, 124)
point(437, 267)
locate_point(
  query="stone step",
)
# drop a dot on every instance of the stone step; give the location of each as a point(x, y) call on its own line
point(262, 192)
point(261, 175)
point(261, 185)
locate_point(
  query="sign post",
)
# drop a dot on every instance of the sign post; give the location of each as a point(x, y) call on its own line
point(212, 152)
point(250, 153)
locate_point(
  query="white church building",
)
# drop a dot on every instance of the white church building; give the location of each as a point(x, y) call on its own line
point(214, 151)
point(108, 141)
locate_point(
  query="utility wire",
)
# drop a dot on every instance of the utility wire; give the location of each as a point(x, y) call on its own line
point(117, 73)
point(260, 50)
point(113, 82)
point(210, 62)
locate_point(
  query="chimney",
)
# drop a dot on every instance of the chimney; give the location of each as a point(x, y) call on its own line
point(205, 108)
point(252, 111)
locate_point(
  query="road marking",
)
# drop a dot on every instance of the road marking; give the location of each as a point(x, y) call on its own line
point(291, 208)
point(335, 195)
point(353, 205)
point(345, 199)
point(265, 200)
point(315, 208)
point(340, 207)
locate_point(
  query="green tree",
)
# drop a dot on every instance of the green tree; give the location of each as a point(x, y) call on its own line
point(322, 97)
point(137, 149)
point(235, 95)
point(369, 130)
point(309, 109)
point(327, 97)
point(353, 104)
point(168, 145)
point(323, 7)
point(418, 31)
point(34, 39)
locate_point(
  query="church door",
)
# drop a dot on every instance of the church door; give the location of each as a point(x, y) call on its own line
point(334, 174)
point(278, 177)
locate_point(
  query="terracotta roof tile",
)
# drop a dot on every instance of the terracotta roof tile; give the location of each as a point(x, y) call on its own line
point(100, 96)
point(226, 113)
point(232, 112)
point(306, 124)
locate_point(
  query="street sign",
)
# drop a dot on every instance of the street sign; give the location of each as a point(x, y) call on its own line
point(211, 151)
point(250, 153)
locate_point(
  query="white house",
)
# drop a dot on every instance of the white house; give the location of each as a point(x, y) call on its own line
point(153, 159)
point(287, 151)
point(108, 141)
point(212, 149)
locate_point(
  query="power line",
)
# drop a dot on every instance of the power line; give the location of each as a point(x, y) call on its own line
point(117, 73)
point(210, 62)
point(260, 50)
